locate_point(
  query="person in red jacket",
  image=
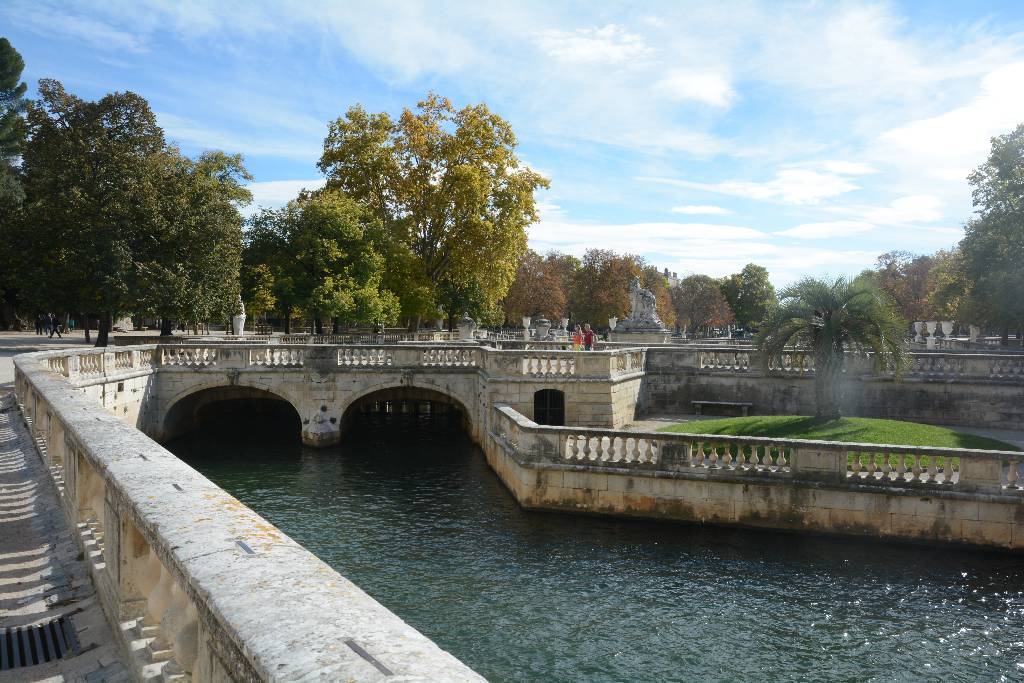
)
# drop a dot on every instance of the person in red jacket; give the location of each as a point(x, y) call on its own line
point(588, 338)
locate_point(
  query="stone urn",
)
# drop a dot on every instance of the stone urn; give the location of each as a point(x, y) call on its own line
point(947, 327)
point(930, 325)
point(919, 328)
point(975, 331)
point(542, 327)
point(238, 321)
point(466, 327)
point(526, 327)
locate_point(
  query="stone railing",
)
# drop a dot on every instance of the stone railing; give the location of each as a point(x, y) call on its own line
point(368, 337)
point(92, 366)
point(732, 457)
point(197, 585)
point(930, 364)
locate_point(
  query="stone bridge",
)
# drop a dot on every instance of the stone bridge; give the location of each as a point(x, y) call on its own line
point(162, 389)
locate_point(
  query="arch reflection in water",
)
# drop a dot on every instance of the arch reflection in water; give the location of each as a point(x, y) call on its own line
point(408, 509)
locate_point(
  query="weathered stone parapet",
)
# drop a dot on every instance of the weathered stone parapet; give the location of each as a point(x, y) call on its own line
point(195, 580)
point(958, 496)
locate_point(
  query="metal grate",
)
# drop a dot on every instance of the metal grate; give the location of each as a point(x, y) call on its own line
point(29, 645)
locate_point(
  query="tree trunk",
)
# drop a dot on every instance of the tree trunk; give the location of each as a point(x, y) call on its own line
point(335, 326)
point(166, 327)
point(85, 326)
point(103, 335)
point(287, 324)
point(828, 377)
point(318, 325)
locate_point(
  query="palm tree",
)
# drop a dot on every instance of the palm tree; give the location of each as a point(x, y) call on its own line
point(833, 319)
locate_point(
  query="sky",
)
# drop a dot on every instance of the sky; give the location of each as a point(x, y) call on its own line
point(809, 137)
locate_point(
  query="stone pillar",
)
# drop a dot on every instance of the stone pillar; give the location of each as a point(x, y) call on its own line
point(819, 464)
point(320, 431)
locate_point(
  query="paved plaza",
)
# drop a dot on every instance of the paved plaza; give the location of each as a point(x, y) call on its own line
point(42, 574)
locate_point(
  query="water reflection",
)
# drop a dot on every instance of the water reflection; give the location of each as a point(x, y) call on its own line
point(413, 515)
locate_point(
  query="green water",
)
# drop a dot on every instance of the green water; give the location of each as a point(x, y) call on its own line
point(414, 516)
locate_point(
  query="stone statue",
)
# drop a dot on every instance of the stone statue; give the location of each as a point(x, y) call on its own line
point(643, 313)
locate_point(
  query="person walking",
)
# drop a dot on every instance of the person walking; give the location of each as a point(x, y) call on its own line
point(588, 338)
point(577, 338)
point(39, 324)
point(54, 327)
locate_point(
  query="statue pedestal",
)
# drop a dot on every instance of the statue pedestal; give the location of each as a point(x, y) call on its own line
point(640, 336)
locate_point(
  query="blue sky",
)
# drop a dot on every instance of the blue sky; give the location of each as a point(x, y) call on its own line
point(808, 137)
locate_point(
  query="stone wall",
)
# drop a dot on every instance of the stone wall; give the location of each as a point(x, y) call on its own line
point(674, 377)
point(809, 487)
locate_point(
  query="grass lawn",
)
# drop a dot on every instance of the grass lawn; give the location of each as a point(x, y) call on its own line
point(853, 429)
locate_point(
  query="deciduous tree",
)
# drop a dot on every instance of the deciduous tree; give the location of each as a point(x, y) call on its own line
point(993, 245)
point(93, 174)
point(601, 286)
point(700, 305)
point(447, 187)
point(750, 294)
point(322, 252)
point(541, 288)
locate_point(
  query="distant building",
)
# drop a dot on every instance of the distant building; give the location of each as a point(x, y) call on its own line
point(673, 278)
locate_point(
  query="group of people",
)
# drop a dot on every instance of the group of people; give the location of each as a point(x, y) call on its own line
point(48, 324)
point(583, 338)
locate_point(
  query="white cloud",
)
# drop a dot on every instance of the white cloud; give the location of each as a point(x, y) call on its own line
point(192, 134)
point(827, 229)
point(701, 209)
point(714, 250)
point(609, 44)
point(790, 185)
point(948, 146)
point(69, 23)
point(273, 194)
point(911, 209)
point(847, 167)
point(706, 87)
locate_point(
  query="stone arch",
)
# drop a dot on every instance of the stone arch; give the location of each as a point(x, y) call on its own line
point(182, 412)
point(395, 392)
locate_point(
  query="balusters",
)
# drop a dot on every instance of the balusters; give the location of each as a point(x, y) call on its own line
point(916, 471)
point(872, 467)
point(611, 448)
point(933, 471)
point(886, 467)
point(713, 457)
point(901, 467)
point(599, 449)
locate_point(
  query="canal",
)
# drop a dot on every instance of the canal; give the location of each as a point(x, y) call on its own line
point(407, 508)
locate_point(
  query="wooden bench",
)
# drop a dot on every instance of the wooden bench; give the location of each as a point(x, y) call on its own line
point(745, 408)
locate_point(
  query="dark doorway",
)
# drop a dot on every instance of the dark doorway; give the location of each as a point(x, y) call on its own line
point(549, 407)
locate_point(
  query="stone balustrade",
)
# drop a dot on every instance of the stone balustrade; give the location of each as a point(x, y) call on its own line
point(706, 455)
point(85, 367)
point(959, 496)
point(929, 364)
point(199, 586)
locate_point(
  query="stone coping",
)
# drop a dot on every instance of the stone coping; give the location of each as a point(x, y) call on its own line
point(282, 613)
